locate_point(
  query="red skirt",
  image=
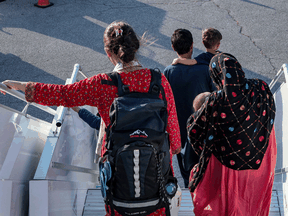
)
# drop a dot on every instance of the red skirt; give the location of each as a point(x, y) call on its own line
point(227, 192)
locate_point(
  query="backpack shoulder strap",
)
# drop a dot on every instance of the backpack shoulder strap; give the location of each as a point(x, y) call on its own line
point(155, 85)
point(114, 77)
point(116, 81)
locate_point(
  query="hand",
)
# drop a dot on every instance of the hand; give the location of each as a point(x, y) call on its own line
point(175, 61)
point(15, 85)
point(3, 92)
point(76, 109)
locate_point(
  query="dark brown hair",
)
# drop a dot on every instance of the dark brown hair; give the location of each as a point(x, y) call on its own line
point(120, 39)
point(182, 41)
point(211, 37)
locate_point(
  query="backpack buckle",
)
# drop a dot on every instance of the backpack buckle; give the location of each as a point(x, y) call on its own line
point(155, 89)
point(125, 88)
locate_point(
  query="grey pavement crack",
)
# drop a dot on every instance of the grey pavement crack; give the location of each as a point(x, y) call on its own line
point(250, 38)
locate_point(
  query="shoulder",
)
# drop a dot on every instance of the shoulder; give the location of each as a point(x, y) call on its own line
point(163, 76)
point(198, 68)
point(175, 68)
point(204, 58)
point(172, 71)
point(168, 69)
point(143, 74)
point(98, 77)
point(101, 80)
point(205, 54)
point(201, 55)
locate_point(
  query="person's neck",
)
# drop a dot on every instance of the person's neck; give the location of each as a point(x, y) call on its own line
point(185, 56)
point(211, 51)
point(131, 66)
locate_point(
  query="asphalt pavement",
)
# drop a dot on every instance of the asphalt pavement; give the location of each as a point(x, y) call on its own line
point(42, 45)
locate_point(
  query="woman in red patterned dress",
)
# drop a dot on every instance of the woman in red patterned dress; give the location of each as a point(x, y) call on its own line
point(121, 45)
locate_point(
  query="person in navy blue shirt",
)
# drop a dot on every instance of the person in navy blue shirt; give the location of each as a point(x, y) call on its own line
point(91, 119)
point(187, 81)
point(211, 39)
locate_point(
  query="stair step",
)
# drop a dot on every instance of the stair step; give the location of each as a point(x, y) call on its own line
point(94, 204)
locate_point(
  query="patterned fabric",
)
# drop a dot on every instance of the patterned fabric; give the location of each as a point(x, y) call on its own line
point(234, 123)
point(91, 92)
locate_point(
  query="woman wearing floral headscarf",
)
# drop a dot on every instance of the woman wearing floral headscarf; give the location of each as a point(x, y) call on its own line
point(230, 133)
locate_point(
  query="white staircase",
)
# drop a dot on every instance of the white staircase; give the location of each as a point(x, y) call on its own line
point(94, 204)
point(276, 206)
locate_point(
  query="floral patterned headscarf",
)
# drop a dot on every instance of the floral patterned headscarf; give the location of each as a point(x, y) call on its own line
point(234, 123)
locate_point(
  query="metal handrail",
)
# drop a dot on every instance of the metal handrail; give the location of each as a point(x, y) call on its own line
point(281, 171)
point(73, 168)
point(20, 113)
point(283, 69)
point(49, 110)
point(50, 145)
point(21, 96)
point(63, 110)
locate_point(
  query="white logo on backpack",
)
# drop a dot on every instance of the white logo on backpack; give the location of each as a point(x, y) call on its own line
point(138, 133)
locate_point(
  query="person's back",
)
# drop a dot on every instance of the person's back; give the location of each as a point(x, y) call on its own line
point(187, 81)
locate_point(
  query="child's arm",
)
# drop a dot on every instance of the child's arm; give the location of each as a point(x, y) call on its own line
point(91, 119)
point(184, 61)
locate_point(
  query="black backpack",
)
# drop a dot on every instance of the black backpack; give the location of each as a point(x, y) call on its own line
point(135, 171)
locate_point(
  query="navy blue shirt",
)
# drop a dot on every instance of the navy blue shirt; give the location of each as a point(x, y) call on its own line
point(187, 81)
point(204, 58)
point(91, 119)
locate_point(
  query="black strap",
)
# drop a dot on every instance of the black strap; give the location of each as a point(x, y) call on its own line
point(107, 82)
point(116, 81)
point(113, 77)
point(156, 85)
point(110, 202)
point(161, 181)
point(122, 89)
point(155, 82)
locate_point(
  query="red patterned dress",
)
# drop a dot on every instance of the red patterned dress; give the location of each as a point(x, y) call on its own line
point(91, 92)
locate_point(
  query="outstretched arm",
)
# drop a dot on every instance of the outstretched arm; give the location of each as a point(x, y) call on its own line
point(84, 92)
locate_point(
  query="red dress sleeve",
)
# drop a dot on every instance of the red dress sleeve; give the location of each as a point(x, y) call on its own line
point(89, 91)
point(173, 125)
point(84, 92)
